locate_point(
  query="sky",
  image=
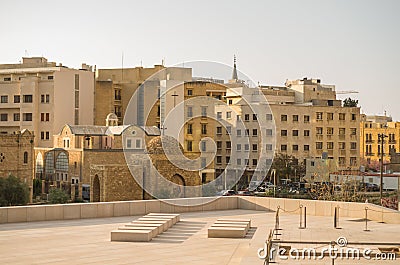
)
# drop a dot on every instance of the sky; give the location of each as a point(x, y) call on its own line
point(353, 44)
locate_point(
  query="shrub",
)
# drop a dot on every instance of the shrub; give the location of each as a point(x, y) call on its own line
point(13, 191)
point(57, 196)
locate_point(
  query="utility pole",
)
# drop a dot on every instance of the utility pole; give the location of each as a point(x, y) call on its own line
point(381, 138)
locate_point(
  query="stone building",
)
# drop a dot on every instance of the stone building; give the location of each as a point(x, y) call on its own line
point(16, 156)
point(41, 96)
point(112, 160)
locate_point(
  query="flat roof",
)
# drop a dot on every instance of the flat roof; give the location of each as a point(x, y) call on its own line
point(87, 241)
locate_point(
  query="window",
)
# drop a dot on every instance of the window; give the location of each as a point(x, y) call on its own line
point(189, 146)
point(353, 161)
point(342, 116)
point(342, 131)
point(189, 128)
point(283, 117)
point(28, 98)
point(246, 162)
point(295, 132)
point(203, 111)
point(50, 77)
point(190, 92)
point(203, 165)
point(269, 132)
point(269, 147)
point(246, 147)
point(329, 131)
point(47, 135)
point(353, 131)
point(3, 117)
point(25, 157)
point(283, 147)
point(16, 117)
point(254, 117)
point(17, 98)
point(319, 130)
point(138, 143)
point(295, 147)
point(219, 130)
point(228, 144)
point(246, 117)
point(204, 129)
point(342, 161)
point(295, 118)
point(6, 79)
point(307, 133)
point(4, 99)
point(255, 132)
point(203, 146)
point(42, 138)
point(318, 145)
point(329, 145)
point(306, 147)
point(353, 117)
point(228, 129)
point(66, 145)
point(238, 117)
point(227, 159)
point(238, 161)
point(219, 115)
point(254, 162)
point(283, 132)
point(247, 133)
point(342, 145)
point(219, 144)
point(229, 114)
point(306, 119)
point(269, 117)
point(330, 116)
point(238, 147)
point(239, 132)
point(219, 159)
point(319, 116)
point(47, 98)
point(255, 147)
point(190, 111)
point(44, 116)
point(230, 102)
point(353, 145)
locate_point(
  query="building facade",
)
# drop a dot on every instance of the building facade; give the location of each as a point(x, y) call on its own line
point(17, 155)
point(41, 96)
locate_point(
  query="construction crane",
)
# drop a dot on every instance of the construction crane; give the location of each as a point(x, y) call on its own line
point(347, 92)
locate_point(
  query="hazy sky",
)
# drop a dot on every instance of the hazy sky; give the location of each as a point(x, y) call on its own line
point(352, 44)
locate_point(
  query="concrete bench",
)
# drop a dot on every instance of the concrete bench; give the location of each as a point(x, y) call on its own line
point(235, 220)
point(245, 226)
point(149, 218)
point(131, 235)
point(226, 232)
point(175, 217)
point(229, 223)
point(144, 225)
point(162, 224)
point(154, 230)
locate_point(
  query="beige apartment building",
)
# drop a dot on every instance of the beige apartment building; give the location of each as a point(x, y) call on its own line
point(309, 122)
point(41, 96)
point(371, 127)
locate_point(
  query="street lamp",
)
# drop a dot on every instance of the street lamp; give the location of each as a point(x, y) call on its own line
point(381, 140)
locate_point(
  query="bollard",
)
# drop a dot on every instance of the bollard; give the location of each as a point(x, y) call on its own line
point(335, 219)
point(301, 217)
point(366, 219)
point(305, 217)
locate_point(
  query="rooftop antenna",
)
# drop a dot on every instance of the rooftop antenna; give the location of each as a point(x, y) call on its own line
point(163, 61)
point(141, 63)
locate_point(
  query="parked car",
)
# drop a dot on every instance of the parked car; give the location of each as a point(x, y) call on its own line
point(371, 187)
point(245, 193)
point(226, 193)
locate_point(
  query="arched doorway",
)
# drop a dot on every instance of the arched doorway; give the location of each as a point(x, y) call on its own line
point(96, 189)
point(179, 190)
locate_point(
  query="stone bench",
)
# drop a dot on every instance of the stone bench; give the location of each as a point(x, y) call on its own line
point(175, 217)
point(153, 218)
point(227, 232)
point(131, 235)
point(154, 230)
point(245, 226)
point(235, 220)
point(144, 225)
point(162, 224)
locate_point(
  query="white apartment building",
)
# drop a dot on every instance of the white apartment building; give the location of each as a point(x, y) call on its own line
point(42, 97)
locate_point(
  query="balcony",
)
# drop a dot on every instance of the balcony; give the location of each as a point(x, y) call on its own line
point(369, 154)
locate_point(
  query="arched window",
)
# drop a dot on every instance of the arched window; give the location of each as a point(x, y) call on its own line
point(39, 163)
point(49, 163)
point(62, 162)
point(25, 157)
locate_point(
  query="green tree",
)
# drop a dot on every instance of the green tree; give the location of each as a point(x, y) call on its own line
point(348, 102)
point(287, 166)
point(57, 196)
point(13, 191)
point(37, 187)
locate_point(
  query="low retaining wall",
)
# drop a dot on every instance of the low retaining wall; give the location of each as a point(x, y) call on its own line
point(128, 208)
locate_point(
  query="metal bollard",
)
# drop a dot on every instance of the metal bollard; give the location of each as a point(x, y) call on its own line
point(301, 217)
point(305, 217)
point(366, 220)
